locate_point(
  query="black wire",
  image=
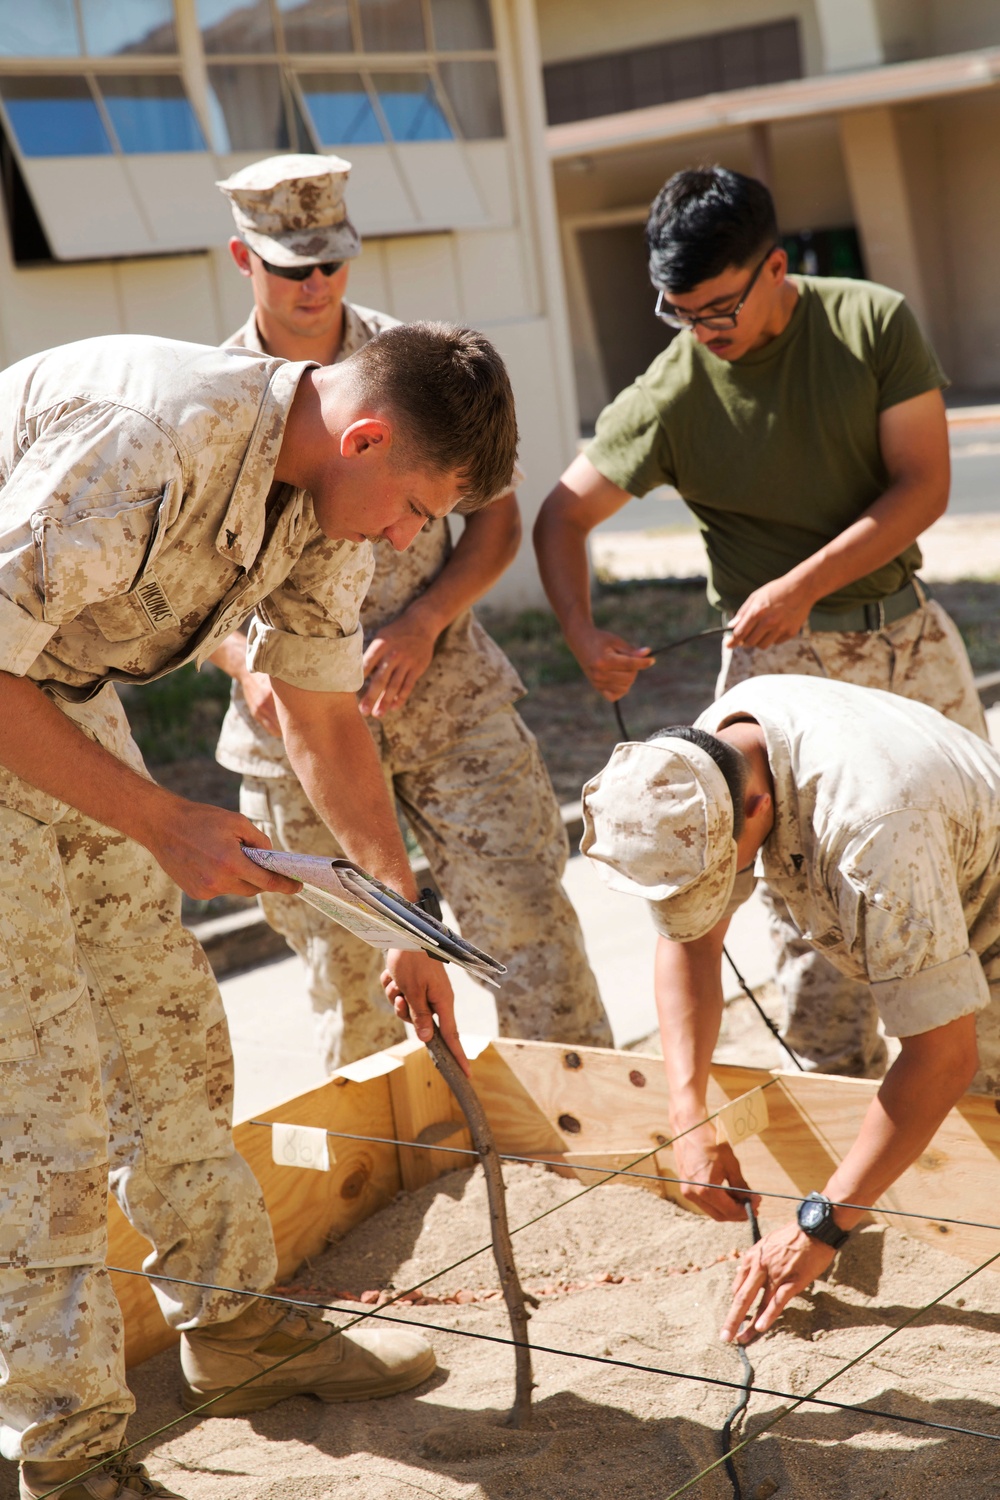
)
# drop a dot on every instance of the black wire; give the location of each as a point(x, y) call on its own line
point(760, 1009)
point(596, 1359)
point(609, 1172)
point(748, 1373)
point(685, 640)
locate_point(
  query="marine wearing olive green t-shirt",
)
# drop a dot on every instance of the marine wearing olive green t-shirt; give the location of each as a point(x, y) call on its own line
point(776, 453)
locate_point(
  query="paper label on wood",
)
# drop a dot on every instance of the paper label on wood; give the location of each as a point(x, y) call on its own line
point(300, 1146)
point(743, 1118)
point(376, 1065)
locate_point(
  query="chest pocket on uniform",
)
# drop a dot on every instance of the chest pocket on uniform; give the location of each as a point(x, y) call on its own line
point(108, 552)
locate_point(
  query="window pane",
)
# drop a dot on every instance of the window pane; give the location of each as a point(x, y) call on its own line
point(249, 108)
point(141, 26)
point(341, 109)
point(54, 117)
point(462, 25)
point(392, 25)
point(236, 25)
point(410, 104)
point(45, 28)
point(316, 25)
point(151, 112)
point(474, 94)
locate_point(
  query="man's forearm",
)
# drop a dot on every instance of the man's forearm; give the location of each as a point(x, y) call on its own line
point(922, 1085)
point(561, 548)
point(47, 750)
point(334, 757)
point(689, 1004)
point(878, 536)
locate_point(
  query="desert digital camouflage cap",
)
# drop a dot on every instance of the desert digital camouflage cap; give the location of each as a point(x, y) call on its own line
point(291, 209)
point(658, 822)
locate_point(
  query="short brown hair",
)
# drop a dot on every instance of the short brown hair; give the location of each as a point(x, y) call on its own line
point(449, 390)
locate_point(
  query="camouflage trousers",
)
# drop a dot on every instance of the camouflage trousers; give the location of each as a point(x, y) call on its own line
point(830, 1021)
point(116, 1071)
point(487, 819)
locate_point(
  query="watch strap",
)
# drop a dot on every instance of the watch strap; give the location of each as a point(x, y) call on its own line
point(828, 1232)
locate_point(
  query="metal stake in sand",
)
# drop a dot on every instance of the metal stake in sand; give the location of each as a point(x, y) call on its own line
point(503, 1252)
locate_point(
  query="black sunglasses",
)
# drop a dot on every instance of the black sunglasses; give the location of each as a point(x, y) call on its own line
point(301, 273)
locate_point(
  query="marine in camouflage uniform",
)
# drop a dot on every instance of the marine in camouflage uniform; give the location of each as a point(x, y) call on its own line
point(137, 532)
point(465, 771)
point(878, 823)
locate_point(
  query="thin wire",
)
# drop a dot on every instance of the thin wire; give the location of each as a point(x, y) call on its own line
point(541, 1161)
point(598, 1359)
point(748, 1378)
point(685, 640)
point(760, 1009)
point(780, 1416)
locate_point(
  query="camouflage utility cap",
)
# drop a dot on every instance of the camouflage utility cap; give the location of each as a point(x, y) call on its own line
point(658, 822)
point(291, 209)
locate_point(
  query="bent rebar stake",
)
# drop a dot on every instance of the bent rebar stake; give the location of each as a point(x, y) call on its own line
point(503, 1251)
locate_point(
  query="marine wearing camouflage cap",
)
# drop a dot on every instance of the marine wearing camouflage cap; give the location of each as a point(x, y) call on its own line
point(291, 210)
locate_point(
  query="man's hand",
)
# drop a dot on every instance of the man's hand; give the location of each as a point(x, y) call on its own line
point(259, 695)
point(200, 848)
point(418, 988)
point(699, 1158)
point(394, 662)
point(780, 1266)
point(772, 614)
point(610, 663)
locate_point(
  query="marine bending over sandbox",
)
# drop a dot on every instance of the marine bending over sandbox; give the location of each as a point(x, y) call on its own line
point(153, 494)
point(876, 820)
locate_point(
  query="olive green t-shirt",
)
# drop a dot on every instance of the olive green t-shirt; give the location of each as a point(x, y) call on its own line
point(777, 452)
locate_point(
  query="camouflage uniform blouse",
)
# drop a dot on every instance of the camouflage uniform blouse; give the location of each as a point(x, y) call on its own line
point(134, 527)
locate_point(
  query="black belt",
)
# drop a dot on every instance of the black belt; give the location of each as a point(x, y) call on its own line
point(875, 615)
point(870, 617)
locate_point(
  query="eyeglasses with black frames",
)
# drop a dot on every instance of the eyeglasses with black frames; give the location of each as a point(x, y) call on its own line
point(675, 317)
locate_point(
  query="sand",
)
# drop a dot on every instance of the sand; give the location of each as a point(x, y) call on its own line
point(619, 1273)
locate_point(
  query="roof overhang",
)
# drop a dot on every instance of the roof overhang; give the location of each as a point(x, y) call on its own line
point(800, 99)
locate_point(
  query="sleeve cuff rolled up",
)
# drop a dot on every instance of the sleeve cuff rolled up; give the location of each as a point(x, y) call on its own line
point(22, 638)
point(932, 997)
point(320, 664)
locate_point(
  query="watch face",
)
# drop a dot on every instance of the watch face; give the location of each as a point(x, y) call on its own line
point(812, 1214)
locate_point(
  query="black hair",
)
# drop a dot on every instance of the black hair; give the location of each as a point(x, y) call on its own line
point(731, 762)
point(704, 220)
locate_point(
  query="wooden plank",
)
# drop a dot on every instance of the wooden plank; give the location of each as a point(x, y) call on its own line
point(425, 1109)
point(308, 1210)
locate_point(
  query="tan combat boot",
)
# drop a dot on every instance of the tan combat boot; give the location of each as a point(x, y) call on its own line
point(355, 1366)
point(120, 1477)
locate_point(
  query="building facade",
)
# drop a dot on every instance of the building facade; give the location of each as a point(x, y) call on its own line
point(505, 153)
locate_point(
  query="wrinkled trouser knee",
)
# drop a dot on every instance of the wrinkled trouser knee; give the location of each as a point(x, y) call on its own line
point(830, 1021)
point(116, 1066)
point(487, 819)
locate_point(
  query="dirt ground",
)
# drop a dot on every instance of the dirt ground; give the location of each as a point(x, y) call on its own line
point(651, 1296)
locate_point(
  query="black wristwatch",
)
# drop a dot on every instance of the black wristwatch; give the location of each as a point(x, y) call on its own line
point(816, 1219)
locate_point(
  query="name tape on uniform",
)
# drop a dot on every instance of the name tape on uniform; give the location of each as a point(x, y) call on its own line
point(301, 1146)
point(746, 1116)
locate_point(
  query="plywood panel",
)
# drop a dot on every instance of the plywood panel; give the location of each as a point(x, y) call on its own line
point(425, 1109)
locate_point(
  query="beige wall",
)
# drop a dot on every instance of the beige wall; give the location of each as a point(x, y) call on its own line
point(969, 209)
point(577, 28)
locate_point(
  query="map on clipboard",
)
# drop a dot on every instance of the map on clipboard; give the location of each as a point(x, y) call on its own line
point(379, 916)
